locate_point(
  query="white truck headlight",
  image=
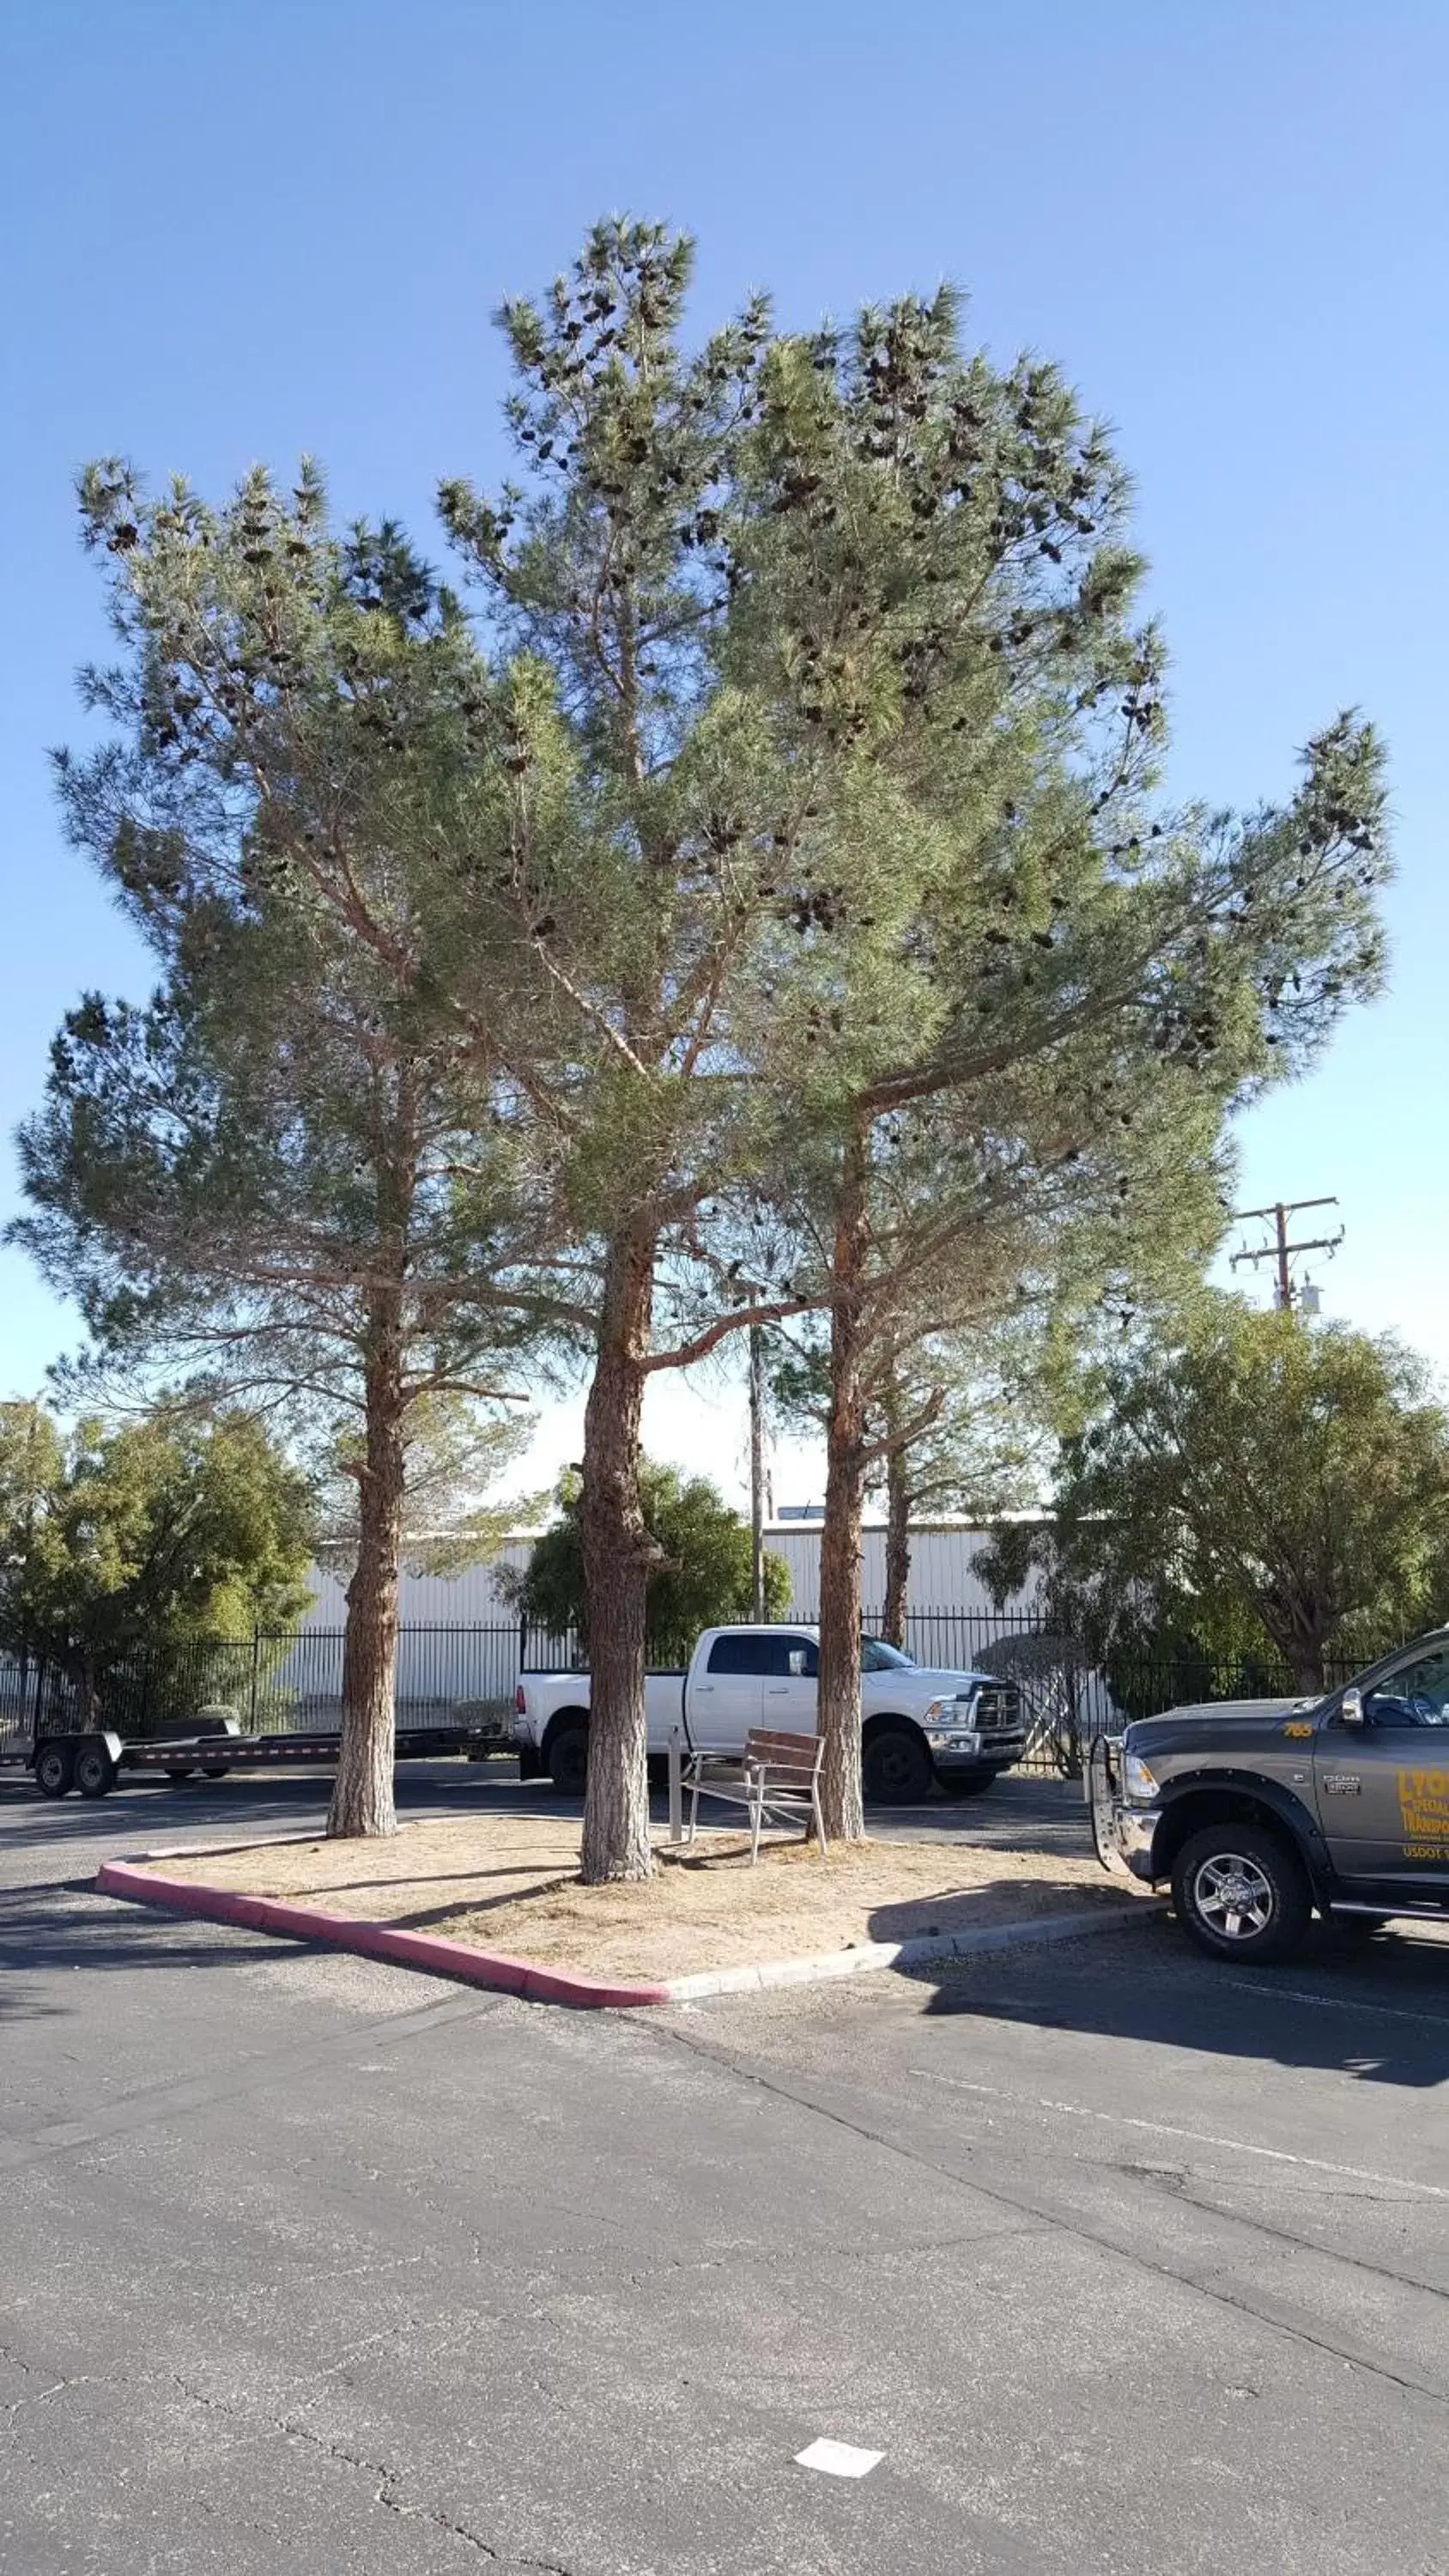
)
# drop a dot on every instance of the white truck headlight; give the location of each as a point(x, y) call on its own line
point(948, 1712)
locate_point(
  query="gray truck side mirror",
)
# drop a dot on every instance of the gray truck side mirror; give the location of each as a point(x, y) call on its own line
point(1350, 1708)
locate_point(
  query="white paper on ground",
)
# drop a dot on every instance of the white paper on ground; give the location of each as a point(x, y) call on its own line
point(838, 2459)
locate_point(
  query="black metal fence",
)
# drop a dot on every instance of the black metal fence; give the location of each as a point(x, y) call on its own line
point(1071, 1694)
point(275, 1683)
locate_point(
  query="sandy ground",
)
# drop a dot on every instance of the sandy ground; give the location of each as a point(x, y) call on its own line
point(512, 1885)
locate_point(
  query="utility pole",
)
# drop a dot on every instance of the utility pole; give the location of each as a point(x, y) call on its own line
point(1280, 1249)
point(757, 1471)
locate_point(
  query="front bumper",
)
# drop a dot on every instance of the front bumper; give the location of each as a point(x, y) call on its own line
point(969, 1748)
point(1123, 1835)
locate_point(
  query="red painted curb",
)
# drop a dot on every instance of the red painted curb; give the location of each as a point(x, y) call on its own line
point(425, 1950)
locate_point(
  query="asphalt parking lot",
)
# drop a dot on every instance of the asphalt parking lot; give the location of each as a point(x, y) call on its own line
point(1120, 2260)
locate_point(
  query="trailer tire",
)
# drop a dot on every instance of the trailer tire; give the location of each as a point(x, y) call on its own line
point(54, 1767)
point(215, 1770)
point(177, 1772)
point(93, 1771)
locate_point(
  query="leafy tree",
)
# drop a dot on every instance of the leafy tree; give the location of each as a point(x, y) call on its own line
point(1254, 1489)
point(143, 1538)
point(284, 1177)
point(700, 1566)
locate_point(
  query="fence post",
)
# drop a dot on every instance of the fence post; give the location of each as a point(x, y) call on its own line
point(676, 1788)
point(256, 1671)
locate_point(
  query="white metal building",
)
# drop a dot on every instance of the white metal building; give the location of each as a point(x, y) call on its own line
point(942, 1578)
point(459, 1639)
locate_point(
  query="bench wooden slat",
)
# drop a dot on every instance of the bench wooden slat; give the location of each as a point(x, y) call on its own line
point(768, 1744)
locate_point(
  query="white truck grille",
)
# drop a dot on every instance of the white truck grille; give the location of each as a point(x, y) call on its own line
point(997, 1710)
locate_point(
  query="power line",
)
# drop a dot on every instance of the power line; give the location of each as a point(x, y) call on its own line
point(1280, 1249)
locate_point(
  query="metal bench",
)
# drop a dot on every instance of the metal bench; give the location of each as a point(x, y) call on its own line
point(775, 1778)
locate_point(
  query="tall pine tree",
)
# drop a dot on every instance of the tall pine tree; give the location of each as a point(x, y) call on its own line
point(285, 1176)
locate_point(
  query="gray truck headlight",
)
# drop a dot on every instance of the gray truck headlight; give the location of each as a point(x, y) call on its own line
point(1138, 1783)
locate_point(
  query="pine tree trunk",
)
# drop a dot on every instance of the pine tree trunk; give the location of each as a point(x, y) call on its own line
point(898, 1548)
point(362, 1795)
point(757, 1472)
point(617, 1557)
point(841, 1795)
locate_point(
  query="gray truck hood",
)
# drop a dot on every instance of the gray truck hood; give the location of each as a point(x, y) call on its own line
point(1234, 1712)
point(1228, 1725)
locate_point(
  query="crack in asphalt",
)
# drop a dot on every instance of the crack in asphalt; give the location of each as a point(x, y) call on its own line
point(1039, 2205)
point(1176, 2186)
point(388, 2493)
point(54, 2387)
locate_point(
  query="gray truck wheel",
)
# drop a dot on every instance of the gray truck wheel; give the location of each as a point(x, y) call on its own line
point(1241, 1892)
point(568, 1759)
point(53, 1772)
point(896, 1767)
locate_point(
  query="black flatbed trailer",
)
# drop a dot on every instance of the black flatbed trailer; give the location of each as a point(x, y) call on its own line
point(93, 1761)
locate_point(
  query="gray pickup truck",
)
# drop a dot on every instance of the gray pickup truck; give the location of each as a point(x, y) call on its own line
point(1259, 1812)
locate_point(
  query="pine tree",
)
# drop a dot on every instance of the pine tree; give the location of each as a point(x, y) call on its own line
point(649, 798)
point(283, 1177)
point(1060, 985)
point(836, 797)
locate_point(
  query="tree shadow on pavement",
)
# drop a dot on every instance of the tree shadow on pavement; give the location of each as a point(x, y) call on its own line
point(20, 2001)
point(40, 1931)
point(1379, 2014)
point(988, 1904)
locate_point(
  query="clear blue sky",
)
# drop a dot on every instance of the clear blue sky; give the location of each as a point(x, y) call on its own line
point(234, 229)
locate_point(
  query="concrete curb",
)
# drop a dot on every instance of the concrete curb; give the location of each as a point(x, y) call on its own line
point(425, 1950)
point(868, 1956)
point(262, 1842)
point(438, 1957)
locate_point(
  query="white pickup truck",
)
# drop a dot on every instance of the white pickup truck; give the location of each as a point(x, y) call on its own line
point(917, 1725)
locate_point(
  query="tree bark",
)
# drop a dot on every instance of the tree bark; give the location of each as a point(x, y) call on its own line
point(362, 1795)
point(1307, 1664)
point(898, 1547)
point(617, 1557)
point(841, 1796)
point(1294, 1620)
point(757, 1473)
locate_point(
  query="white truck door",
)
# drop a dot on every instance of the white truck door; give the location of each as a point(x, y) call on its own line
point(725, 1696)
point(792, 1683)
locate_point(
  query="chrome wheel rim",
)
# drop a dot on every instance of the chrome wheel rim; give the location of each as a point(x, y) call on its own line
point(1234, 1896)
